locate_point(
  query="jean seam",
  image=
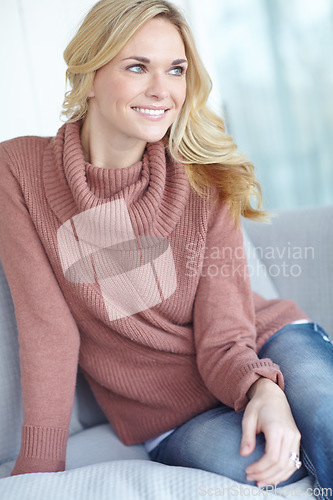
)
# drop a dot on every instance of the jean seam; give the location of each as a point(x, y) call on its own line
point(323, 334)
point(311, 469)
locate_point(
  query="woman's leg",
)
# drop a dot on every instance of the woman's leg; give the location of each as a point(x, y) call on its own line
point(211, 441)
point(305, 355)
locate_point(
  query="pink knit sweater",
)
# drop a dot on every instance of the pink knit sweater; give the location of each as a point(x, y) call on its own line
point(131, 274)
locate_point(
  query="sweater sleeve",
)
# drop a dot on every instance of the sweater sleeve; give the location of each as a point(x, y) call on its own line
point(224, 317)
point(48, 335)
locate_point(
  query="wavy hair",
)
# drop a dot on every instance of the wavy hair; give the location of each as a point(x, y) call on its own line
point(197, 138)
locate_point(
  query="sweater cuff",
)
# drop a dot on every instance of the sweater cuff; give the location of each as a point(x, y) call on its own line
point(250, 374)
point(43, 449)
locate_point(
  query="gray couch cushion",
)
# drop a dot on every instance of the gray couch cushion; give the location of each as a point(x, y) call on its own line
point(10, 386)
point(100, 444)
point(261, 281)
point(139, 480)
point(299, 243)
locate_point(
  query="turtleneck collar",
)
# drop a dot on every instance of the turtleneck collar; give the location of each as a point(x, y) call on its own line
point(155, 189)
point(105, 183)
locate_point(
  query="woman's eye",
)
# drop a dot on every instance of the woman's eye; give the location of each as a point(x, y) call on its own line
point(178, 71)
point(137, 68)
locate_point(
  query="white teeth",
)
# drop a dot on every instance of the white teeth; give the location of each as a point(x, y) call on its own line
point(156, 112)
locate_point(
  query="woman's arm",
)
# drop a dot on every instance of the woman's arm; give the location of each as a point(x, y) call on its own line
point(48, 335)
point(224, 317)
point(226, 353)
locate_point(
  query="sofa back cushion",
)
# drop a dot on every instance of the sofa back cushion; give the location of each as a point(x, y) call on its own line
point(261, 282)
point(10, 387)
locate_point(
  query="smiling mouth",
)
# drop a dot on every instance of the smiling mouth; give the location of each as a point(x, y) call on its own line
point(151, 112)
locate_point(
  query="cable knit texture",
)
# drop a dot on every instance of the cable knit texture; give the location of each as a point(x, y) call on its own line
point(131, 274)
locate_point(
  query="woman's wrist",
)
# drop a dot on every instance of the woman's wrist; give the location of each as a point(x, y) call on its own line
point(261, 386)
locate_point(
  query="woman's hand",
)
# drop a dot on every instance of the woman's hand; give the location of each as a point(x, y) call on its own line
point(269, 412)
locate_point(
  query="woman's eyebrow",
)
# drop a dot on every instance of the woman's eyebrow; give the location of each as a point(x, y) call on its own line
point(147, 61)
point(178, 61)
point(138, 58)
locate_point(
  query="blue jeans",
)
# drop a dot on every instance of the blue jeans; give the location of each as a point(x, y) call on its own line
point(211, 440)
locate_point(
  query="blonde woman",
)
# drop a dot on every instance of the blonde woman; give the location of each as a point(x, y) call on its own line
point(109, 232)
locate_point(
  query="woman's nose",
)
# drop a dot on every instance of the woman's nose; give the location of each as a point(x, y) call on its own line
point(158, 87)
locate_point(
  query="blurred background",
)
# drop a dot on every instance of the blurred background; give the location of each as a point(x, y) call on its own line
point(271, 62)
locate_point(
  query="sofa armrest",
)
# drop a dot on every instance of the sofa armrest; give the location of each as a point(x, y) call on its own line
point(297, 249)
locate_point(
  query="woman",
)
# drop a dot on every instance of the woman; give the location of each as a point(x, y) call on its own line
point(108, 232)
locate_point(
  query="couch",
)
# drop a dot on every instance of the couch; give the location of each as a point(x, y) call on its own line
point(291, 258)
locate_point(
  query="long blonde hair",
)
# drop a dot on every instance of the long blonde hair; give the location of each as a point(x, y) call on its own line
point(197, 138)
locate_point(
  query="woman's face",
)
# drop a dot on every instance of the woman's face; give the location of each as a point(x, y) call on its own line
point(139, 94)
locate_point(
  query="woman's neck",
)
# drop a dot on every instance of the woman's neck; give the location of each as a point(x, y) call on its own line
point(103, 151)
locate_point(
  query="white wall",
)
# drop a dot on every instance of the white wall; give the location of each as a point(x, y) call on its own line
point(33, 36)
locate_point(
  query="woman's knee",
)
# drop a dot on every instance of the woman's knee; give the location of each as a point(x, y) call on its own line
point(210, 442)
point(304, 349)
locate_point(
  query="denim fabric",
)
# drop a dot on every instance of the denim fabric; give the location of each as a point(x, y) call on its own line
point(211, 440)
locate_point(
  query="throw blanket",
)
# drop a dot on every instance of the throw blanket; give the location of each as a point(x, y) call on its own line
point(138, 480)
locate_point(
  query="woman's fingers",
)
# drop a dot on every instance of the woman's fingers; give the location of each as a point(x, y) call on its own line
point(249, 432)
point(275, 466)
point(286, 467)
point(276, 474)
point(269, 462)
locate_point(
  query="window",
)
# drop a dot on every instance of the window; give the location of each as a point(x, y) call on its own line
point(271, 62)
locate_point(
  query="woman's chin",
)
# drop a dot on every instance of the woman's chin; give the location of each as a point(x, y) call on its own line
point(155, 137)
